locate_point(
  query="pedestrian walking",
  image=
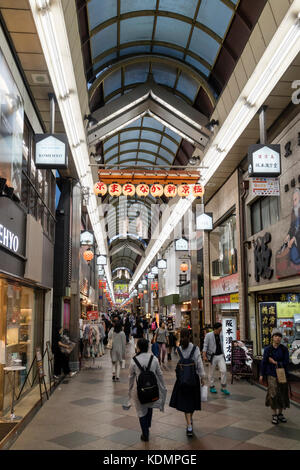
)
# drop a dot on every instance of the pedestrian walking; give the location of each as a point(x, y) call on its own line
point(275, 358)
point(117, 353)
point(161, 337)
point(145, 360)
point(186, 395)
point(127, 329)
point(145, 327)
point(214, 353)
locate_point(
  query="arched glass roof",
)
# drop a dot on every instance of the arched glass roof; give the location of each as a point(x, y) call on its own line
point(189, 47)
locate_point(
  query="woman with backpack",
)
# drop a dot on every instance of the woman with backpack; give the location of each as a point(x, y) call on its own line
point(186, 395)
point(118, 339)
point(145, 370)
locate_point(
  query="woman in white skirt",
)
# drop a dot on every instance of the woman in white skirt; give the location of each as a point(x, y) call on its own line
point(117, 352)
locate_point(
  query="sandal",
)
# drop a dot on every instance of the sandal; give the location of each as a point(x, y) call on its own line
point(275, 419)
point(282, 418)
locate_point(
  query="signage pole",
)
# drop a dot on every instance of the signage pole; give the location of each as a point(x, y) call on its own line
point(262, 125)
point(52, 112)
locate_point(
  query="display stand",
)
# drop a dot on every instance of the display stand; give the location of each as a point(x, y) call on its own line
point(50, 364)
point(39, 361)
point(14, 369)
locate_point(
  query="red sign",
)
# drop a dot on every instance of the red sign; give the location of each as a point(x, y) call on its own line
point(102, 284)
point(154, 285)
point(222, 299)
point(92, 315)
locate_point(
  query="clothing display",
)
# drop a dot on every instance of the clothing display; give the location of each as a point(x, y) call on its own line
point(93, 335)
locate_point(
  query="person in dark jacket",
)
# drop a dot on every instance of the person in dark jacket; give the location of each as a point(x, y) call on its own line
point(188, 398)
point(275, 355)
point(127, 328)
point(61, 360)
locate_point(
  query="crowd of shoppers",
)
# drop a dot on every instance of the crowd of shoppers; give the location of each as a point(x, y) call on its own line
point(121, 329)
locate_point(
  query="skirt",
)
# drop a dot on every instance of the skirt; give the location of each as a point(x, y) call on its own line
point(186, 399)
point(278, 394)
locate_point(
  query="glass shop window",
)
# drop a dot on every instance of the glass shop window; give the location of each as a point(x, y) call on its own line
point(223, 248)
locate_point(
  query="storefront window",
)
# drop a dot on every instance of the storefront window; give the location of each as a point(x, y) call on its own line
point(223, 248)
point(22, 317)
point(264, 212)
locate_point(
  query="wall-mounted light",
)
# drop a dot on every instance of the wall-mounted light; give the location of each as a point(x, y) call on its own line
point(211, 125)
point(90, 119)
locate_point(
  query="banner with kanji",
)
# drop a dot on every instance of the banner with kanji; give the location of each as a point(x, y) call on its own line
point(268, 321)
point(229, 334)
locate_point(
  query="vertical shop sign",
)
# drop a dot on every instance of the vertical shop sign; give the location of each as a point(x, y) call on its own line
point(268, 321)
point(229, 334)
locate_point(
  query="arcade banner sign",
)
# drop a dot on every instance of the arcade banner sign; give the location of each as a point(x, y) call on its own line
point(264, 160)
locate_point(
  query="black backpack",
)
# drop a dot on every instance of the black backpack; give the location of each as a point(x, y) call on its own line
point(147, 388)
point(186, 370)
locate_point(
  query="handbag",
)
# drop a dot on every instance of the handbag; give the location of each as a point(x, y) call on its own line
point(109, 344)
point(281, 377)
point(204, 392)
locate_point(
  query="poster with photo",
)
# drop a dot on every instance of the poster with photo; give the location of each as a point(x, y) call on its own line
point(11, 128)
point(241, 357)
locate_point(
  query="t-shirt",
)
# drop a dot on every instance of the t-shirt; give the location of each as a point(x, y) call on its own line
point(162, 335)
point(218, 344)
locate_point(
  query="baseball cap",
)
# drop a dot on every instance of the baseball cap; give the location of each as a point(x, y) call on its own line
point(276, 331)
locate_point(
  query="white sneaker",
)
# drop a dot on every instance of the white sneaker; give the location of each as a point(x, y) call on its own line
point(71, 374)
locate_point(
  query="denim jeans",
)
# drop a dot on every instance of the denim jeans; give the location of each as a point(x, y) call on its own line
point(145, 422)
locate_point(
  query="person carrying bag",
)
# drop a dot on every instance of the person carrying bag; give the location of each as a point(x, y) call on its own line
point(186, 395)
point(146, 386)
point(274, 367)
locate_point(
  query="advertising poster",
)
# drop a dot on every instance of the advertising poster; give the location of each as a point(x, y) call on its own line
point(268, 321)
point(11, 128)
point(241, 357)
point(229, 334)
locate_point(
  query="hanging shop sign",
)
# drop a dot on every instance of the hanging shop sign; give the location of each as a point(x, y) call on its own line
point(100, 188)
point(86, 238)
point(51, 151)
point(143, 190)
point(156, 190)
point(115, 189)
point(154, 270)
point(128, 189)
point(264, 160)
point(225, 285)
point(102, 260)
point(241, 358)
point(150, 276)
point(154, 286)
point(204, 221)
point(162, 263)
point(102, 284)
point(265, 187)
point(181, 244)
point(268, 321)
point(229, 334)
point(92, 315)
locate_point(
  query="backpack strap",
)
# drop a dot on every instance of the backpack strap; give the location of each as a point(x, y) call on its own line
point(150, 362)
point(180, 353)
point(192, 352)
point(138, 364)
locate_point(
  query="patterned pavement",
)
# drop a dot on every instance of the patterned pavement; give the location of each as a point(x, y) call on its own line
point(86, 412)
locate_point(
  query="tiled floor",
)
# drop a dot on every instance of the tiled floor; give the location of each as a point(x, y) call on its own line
point(86, 412)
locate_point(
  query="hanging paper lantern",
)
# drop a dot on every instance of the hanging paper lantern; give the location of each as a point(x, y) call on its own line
point(100, 189)
point(156, 190)
point(198, 190)
point(184, 190)
point(88, 255)
point(128, 189)
point(170, 190)
point(184, 267)
point(115, 189)
point(142, 190)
